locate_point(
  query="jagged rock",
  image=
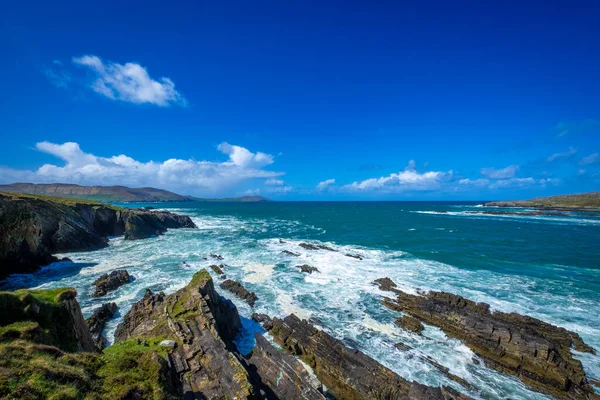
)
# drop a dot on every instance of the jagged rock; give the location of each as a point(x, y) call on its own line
point(410, 324)
point(239, 291)
point(282, 241)
point(216, 256)
point(108, 282)
point(267, 322)
point(386, 284)
point(98, 320)
point(307, 268)
point(348, 373)
point(402, 347)
point(282, 373)
point(217, 269)
point(290, 253)
point(203, 324)
point(309, 246)
point(32, 228)
point(536, 352)
point(357, 256)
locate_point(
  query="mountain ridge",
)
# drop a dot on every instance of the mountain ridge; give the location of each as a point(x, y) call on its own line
point(115, 194)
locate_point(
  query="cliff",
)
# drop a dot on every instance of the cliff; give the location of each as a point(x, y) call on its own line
point(32, 228)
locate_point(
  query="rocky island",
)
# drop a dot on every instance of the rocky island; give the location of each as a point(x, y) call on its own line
point(570, 202)
point(33, 228)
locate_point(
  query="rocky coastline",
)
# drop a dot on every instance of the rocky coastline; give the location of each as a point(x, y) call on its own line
point(33, 228)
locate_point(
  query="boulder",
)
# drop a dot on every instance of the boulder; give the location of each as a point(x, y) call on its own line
point(217, 269)
point(108, 282)
point(239, 291)
point(307, 268)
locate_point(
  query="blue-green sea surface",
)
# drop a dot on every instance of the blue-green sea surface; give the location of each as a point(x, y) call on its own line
point(545, 267)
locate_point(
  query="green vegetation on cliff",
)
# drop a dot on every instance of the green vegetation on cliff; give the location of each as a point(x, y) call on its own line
point(585, 201)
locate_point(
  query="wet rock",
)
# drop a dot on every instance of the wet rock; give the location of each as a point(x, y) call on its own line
point(307, 268)
point(309, 246)
point(386, 284)
point(239, 291)
point(410, 324)
point(263, 319)
point(349, 373)
point(536, 352)
point(217, 269)
point(402, 347)
point(97, 322)
point(281, 241)
point(108, 282)
point(290, 253)
point(357, 256)
point(216, 256)
point(282, 373)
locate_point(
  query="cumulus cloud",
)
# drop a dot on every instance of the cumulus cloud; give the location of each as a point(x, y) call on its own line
point(189, 176)
point(556, 156)
point(409, 179)
point(129, 82)
point(591, 159)
point(325, 184)
point(504, 173)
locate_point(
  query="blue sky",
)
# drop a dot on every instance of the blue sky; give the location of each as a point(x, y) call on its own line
point(304, 100)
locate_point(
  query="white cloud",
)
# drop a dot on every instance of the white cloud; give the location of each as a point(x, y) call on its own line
point(274, 182)
point(409, 179)
point(591, 159)
point(523, 182)
point(587, 126)
point(129, 82)
point(187, 176)
point(325, 183)
point(280, 189)
point(252, 192)
point(555, 156)
point(504, 173)
point(474, 182)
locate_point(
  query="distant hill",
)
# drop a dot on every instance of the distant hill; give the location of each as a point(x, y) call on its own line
point(589, 200)
point(113, 194)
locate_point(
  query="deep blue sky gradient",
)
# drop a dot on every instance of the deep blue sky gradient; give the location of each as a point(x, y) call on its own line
point(333, 90)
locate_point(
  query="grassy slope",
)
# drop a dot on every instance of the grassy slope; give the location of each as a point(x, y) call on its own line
point(56, 200)
point(589, 200)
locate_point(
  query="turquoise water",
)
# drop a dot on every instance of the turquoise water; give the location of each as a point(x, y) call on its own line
point(546, 267)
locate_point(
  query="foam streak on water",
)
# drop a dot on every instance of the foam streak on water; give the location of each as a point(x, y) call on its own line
point(341, 298)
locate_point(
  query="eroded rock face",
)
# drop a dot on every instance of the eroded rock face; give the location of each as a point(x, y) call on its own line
point(349, 373)
point(284, 376)
point(410, 324)
point(107, 282)
point(97, 322)
point(34, 228)
point(239, 291)
point(536, 352)
point(203, 324)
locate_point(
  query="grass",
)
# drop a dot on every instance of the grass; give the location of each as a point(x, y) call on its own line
point(67, 201)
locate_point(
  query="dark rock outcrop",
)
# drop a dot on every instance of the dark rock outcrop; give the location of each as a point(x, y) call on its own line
point(264, 319)
point(217, 269)
point(32, 228)
point(536, 352)
point(307, 268)
point(357, 256)
point(290, 253)
point(386, 284)
point(282, 373)
point(348, 373)
point(97, 322)
point(107, 282)
point(239, 291)
point(410, 324)
point(309, 246)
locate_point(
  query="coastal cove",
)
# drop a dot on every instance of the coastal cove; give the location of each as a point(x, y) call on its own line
point(540, 266)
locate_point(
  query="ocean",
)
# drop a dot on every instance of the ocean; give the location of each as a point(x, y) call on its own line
point(547, 267)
